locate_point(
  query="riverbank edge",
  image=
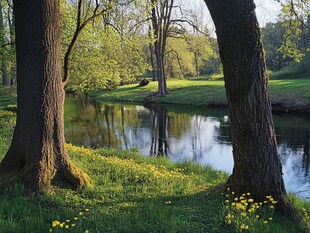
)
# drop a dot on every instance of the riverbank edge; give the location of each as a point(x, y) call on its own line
point(290, 102)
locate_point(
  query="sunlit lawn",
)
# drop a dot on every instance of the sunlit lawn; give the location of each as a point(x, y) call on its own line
point(202, 92)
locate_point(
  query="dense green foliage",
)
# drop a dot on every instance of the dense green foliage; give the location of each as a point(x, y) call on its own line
point(287, 41)
point(102, 58)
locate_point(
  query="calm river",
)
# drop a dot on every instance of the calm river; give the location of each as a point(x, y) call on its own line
point(184, 133)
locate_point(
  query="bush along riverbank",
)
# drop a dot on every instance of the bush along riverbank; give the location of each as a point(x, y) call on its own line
point(286, 95)
point(132, 193)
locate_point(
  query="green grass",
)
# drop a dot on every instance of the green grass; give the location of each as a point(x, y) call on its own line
point(7, 97)
point(198, 92)
point(131, 193)
point(292, 94)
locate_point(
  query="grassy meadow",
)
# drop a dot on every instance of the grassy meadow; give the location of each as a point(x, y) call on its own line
point(132, 193)
point(291, 94)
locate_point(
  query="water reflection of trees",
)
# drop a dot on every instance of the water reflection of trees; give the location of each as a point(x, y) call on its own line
point(159, 130)
point(294, 133)
point(152, 129)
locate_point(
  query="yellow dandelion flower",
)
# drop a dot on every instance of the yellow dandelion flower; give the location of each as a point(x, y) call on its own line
point(228, 221)
point(233, 193)
point(67, 220)
point(265, 222)
point(87, 210)
point(246, 227)
point(66, 226)
point(50, 230)
point(271, 207)
point(257, 216)
point(250, 200)
point(226, 201)
point(236, 198)
point(81, 213)
point(270, 219)
point(243, 214)
point(228, 189)
point(249, 194)
point(73, 225)
point(75, 218)
point(87, 231)
point(55, 224)
point(61, 225)
point(242, 226)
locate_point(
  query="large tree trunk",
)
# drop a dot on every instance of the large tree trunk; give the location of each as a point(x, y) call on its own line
point(37, 151)
point(257, 168)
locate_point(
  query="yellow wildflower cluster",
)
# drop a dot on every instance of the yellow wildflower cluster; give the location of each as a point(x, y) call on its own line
point(7, 117)
point(59, 226)
point(128, 169)
point(243, 213)
point(305, 214)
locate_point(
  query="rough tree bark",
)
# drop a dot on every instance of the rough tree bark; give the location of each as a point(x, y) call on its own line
point(257, 168)
point(37, 150)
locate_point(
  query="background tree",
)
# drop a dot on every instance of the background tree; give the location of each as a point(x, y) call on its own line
point(5, 79)
point(82, 19)
point(161, 11)
point(108, 51)
point(7, 49)
point(295, 17)
point(257, 168)
point(37, 150)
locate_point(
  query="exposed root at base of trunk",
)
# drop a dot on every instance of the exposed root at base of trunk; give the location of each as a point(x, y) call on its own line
point(36, 182)
point(74, 176)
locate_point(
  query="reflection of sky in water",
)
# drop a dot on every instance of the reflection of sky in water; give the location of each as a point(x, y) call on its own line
point(201, 144)
point(295, 177)
point(204, 139)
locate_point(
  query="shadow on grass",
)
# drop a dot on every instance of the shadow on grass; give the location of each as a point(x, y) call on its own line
point(197, 212)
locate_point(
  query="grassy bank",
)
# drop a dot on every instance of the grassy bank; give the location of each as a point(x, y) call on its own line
point(7, 97)
point(132, 193)
point(291, 95)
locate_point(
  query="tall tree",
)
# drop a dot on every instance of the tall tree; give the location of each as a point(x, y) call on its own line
point(161, 21)
point(257, 168)
point(37, 150)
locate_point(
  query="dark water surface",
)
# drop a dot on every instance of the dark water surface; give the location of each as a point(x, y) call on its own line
point(184, 133)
